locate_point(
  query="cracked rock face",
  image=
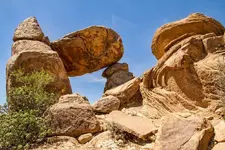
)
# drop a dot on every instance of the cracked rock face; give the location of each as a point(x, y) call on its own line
point(89, 50)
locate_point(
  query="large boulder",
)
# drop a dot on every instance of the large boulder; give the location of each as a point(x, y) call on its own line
point(71, 118)
point(89, 50)
point(30, 54)
point(29, 29)
point(183, 132)
point(220, 131)
point(219, 146)
point(106, 104)
point(172, 33)
point(116, 75)
point(140, 127)
point(126, 92)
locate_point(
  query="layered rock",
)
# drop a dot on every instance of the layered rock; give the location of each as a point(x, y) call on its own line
point(172, 33)
point(189, 74)
point(179, 132)
point(116, 75)
point(30, 54)
point(70, 118)
point(89, 50)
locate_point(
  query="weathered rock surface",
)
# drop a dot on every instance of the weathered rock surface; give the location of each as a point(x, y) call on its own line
point(85, 138)
point(72, 119)
point(37, 60)
point(137, 126)
point(26, 45)
point(116, 75)
point(220, 132)
point(59, 143)
point(89, 50)
point(106, 104)
point(29, 29)
point(189, 76)
point(183, 133)
point(73, 98)
point(30, 54)
point(125, 92)
point(172, 33)
point(219, 146)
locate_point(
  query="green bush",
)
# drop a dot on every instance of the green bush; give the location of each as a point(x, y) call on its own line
point(19, 129)
point(24, 125)
point(31, 94)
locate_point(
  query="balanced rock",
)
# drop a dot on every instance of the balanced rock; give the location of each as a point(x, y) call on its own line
point(71, 118)
point(172, 33)
point(179, 132)
point(89, 50)
point(29, 29)
point(106, 104)
point(116, 75)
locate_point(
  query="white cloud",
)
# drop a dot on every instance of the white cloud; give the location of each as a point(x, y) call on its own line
point(94, 79)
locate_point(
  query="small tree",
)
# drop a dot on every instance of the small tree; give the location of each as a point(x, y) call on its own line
point(24, 124)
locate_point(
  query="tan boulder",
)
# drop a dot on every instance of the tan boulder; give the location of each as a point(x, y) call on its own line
point(140, 127)
point(58, 143)
point(116, 75)
point(106, 104)
point(29, 29)
point(73, 98)
point(172, 33)
point(125, 92)
point(37, 60)
point(179, 132)
point(219, 146)
point(72, 119)
point(220, 131)
point(26, 45)
point(84, 138)
point(89, 50)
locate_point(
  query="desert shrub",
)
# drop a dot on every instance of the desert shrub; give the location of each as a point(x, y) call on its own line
point(31, 94)
point(19, 129)
point(24, 125)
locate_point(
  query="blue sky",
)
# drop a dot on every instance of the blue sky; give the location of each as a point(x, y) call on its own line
point(135, 20)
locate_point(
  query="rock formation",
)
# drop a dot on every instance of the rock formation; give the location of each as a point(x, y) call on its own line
point(172, 33)
point(29, 53)
point(176, 105)
point(89, 50)
point(189, 76)
point(116, 75)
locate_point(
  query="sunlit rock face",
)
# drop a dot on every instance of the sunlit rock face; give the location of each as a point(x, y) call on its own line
point(190, 73)
point(89, 50)
point(31, 53)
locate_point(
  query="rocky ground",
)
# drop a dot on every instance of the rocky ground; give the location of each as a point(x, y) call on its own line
point(176, 105)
